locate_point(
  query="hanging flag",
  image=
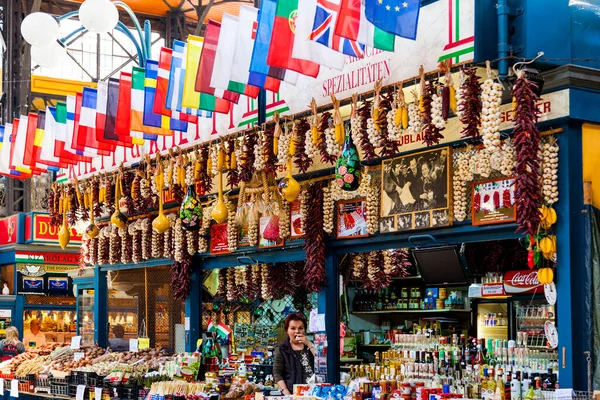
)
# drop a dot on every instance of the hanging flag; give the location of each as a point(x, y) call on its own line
point(400, 17)
point(49, 141)
point(282, 41)
point(138, 75)
point(18, 148)
point(223, 68)
point(123, 118)
point(86, 131)
point(259, 69)
point(353, 24)
point(33, 141)
point(112, 105)
point(177, 84)
point(162, 89)
point(5, 134)
point(69, 146)
point(62, 149)
point(206, 67)
point(104, 143)
point(307, 49)
point(191, 97)
point(152, 119)
point(222, 329)
point(323, 32)
point(244, 44)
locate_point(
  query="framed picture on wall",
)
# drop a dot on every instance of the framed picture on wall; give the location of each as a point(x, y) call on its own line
point(494, 202)
point(352, 219)
point(219, 239)
point(296, 225)
point(416, 189)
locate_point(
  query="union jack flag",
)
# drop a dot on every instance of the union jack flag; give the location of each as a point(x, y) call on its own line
point(323, 30)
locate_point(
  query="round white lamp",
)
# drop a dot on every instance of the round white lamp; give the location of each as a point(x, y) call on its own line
point(50, 56)
point(98, 16)
point(40, 29)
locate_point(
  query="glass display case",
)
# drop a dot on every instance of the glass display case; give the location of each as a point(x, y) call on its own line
point(492, 320)
point(85, 316)
point(57, 325)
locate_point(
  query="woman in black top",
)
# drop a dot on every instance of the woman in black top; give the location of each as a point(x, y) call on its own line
point(295, 357)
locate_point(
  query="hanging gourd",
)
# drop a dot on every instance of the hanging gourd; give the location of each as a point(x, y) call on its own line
point(219, 212)
point(161, 223)
point(92, 230)
point(118, 219)
point(64, 233)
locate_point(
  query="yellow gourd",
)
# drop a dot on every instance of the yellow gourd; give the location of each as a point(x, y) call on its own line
point(293, 146)
point(220, 159)
point(289, 188)
point(219, 212)
point(545, 276)
point(118, 219)
point(64, 233)
point(92, 230)
point(161, 223)
point(545, 245)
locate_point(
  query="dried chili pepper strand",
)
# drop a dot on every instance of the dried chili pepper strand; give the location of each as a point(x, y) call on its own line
point(389, 147)
point(364, 112)
point(301, 159)
point(471, 104)
point(314, 245)
point(326, 158)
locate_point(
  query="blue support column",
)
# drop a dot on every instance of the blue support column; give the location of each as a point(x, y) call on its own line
point(572, 312)
point(193, 308)
point(101, 308)
point(332, 317)
point(17, 319)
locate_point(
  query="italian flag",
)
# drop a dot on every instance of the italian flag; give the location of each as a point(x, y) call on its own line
point(223, 330)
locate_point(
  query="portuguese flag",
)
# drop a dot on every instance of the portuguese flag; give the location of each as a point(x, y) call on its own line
point(282, 41)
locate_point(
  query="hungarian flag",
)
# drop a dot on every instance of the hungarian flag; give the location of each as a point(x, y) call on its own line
point(123, 119)
point(223, 69)
point(49, 141)
point(138, 75)
point(259, 68)
point(305, 48)
point(223, 330)
point(282, 41)
point(206, 67)
point(192, 98)
point(177, 85)
point(165, 61)
point(101, 107)
point(151, 118)
point(353, 24)
point(211, 326)
point(112, 104)
point(86, 131)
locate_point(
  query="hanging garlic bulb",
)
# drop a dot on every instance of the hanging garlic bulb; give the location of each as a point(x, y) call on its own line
point(507, 166)
point(259, 159)
point(328, 210)
point(333, 147)
point(463, 176)
point(309, 147)
point(491, 97)
point(550, 171)
point(436, 110)
point(415, 119)
point(285, 138)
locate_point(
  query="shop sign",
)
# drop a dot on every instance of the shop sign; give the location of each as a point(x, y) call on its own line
point(5, 313)
point(41, 270)
point(492, 290)
point(41, 257)
point(522, 282)
point(39, 230)
point(9, 230)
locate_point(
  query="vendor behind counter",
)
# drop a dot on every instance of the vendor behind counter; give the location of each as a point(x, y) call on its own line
point(33, 336)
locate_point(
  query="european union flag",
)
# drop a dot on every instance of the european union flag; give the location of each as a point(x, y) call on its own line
point(399, 17)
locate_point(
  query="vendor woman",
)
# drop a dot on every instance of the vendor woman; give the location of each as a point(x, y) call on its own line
point(295, 357)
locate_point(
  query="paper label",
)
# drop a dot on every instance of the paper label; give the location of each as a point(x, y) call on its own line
point(1, 387)
point(78, 356)
point(187, 323)
point(14, 388)
point(75, 342)
point(98, 393)
point(80, 392)
point(144, 343)
point(133, 345)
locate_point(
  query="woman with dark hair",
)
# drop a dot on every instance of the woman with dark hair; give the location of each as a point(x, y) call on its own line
point(295, 357)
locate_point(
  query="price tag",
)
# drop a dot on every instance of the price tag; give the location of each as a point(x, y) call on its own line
point(78, 356)
point(98, 393)
point(144, 343)
point(80, 392)
point(133, 345)
point(187, 323)
point(14, 388)
point(1, 387)
point(75, 342)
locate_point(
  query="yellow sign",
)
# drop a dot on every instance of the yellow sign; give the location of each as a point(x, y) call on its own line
point(143, 343)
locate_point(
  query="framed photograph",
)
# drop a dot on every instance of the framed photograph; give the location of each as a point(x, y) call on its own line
point(387, 224)
point(415, 186)
point(352, 221)
point(268, 232)
point(494, 202)
point(296, 227)
point(219, 239)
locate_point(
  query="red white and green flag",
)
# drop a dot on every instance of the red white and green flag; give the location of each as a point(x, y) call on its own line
point(282, 40)
point(223, 330)
point(212, 327)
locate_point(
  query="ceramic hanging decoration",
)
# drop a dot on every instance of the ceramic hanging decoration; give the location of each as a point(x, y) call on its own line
point(161, 222)
point(347, 167)
point(191, 209)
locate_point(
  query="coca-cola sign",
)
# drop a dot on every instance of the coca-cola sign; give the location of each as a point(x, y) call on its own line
point(521, 282)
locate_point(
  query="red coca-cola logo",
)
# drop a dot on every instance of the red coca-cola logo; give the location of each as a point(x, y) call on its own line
point(521, 282)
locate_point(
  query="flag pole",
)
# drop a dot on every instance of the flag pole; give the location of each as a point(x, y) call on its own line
point(262, 94)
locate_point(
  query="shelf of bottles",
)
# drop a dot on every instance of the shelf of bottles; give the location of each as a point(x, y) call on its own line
point(531, 320)
point(484, 368)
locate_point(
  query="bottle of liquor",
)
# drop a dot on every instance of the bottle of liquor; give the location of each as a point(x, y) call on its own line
point(515, 386)
point(507, 385)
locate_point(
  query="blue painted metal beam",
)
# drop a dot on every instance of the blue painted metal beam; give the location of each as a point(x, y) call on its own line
point(100, 308)
point(332, 317)
point(193, 308)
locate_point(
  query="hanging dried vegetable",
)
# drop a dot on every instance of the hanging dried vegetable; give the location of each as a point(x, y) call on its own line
point(463, 175)
point(109, 194)
point(203, 174)
point(376, 277)
point(314, 245)
point(268, 150)
point(377, 120)
point(284, 220)
point(396, 263)
point(53, 201)
point(168, 249)
point(73, 205)
point(181, 278)
point(284, 141)
point(114, 251)
point(364, 114)
point(470, 104)
point(126, 245)
point(491, 99)
point(232, 229)
point(550, 171)
point(230, 163)
point(431, 130)
point(96, 201)
point(103, 246)
point(93, 251)
point(301, 160)
point(389, 147)
point(527, 142)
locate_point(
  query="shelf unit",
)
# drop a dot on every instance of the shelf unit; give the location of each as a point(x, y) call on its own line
point(411, 312)
point(375, 345)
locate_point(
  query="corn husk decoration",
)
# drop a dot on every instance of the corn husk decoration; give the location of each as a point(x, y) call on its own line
point(276, 133)
point(378, 121)
point(338, 122)
point(64, 233)
point(422, 86)
point(314, 127)
point(118, 219)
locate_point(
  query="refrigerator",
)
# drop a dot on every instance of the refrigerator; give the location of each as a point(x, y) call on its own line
point(492, 318)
